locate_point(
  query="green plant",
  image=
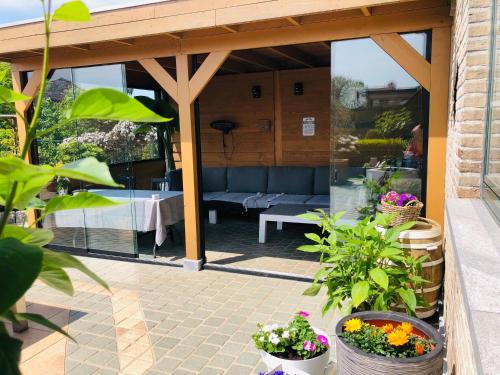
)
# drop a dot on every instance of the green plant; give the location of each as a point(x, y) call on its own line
point(363, 269)
point(388, 340)
point(395, 124)
point(23, 255)
point(297, 340)
point(164, 129)
point(73, 150)
point(374, 190)
point(373, 134)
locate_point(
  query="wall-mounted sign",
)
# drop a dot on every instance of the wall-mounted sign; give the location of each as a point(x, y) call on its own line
point(308, 126)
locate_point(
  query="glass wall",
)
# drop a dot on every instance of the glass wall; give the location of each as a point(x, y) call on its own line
point(379, 127)
point(491, 169)
point(119, 144)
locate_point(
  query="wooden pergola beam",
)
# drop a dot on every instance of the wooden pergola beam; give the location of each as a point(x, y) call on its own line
point(367, 11)
point(295, 21)
point(230, 28)
point(295, 55)
point(161, 76)
point(360, 27)
point(205, 73)
point(124, 42)
point(84, 48)
point(406, 56)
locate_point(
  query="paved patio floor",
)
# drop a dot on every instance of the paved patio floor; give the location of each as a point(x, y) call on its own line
point(159, 320)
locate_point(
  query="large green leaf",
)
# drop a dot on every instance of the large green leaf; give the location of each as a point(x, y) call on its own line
point(359, 292)
point(29, 236)
point(28, 190)
point(20, 265)
point(310, 217)
point(10, 96)
point(16, 169)
point(313, 290)
point(108, 104)
point(409, 298)
point(56, 278)
point(72, 11)
point(10, 353)
point(310, 248)
point(80, 200)
point(88, 170)
point(380, 277)
point(390, 251)
point(64, 260)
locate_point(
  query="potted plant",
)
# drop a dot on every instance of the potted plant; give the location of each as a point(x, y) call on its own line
point(364, 267)
point(296, 348)
point(387, 343)
point(62, 185)
point(403, 207)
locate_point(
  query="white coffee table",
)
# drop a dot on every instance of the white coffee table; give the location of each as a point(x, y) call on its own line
point(283, 213)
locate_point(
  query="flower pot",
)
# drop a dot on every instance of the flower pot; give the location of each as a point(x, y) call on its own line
point(313, 366)
point(354, 361)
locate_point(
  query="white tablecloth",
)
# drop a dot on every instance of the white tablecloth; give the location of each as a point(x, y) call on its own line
point(139, 212)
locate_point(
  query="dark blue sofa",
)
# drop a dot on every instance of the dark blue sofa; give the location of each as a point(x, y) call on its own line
point(261, 187)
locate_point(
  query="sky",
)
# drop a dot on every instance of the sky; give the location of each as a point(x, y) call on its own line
point(12, 11)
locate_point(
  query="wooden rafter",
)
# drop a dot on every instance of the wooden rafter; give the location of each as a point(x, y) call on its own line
point(234, 67)
point(367, 11)
point(129, 42)
point(327, 45)
point(80, 47)
point(255, 59)
point(295, 55)
point(231, 29)
point(406, 56)
point(174, 35)
point(161, 76)
point(294, 21)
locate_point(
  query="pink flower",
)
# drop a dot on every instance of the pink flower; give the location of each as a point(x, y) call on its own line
point(304, 314)
point(309, 346)
point(322, 339)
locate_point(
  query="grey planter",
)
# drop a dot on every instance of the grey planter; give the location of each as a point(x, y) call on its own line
point(353, 361)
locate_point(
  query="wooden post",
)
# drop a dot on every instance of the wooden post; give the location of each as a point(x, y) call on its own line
point(22, 107)
point(438, 122)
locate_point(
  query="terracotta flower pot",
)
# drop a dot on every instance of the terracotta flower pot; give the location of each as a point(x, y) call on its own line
point(354, 361)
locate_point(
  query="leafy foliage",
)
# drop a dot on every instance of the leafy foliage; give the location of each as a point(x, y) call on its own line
point(395, 124)
point(364, 269)
point(391, 340)
point(295, 341)
point(375, 189)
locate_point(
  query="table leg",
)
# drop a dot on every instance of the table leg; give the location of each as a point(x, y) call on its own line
point(262, 230)
point(154, 250)
point(279, 225)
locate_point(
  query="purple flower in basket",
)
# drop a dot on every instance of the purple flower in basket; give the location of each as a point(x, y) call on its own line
point(396, 199)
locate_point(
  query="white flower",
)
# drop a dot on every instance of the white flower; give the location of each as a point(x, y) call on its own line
point(286, 334)
point(274, 326)
point(267, 328)
point(261, 338)
point(274, 339)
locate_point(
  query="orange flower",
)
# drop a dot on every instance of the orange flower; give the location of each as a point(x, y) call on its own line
point(397, 338)
point(419, 348)
point(406, 328)
point(387, 328)
point(353, 325)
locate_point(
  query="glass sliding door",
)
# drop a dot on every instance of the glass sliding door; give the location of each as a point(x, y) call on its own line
point(378, 128)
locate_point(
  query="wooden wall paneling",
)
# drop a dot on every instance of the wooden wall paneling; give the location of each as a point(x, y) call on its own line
point(230, 98)
point(278, 120)
point(299, 149)
point(438, 116)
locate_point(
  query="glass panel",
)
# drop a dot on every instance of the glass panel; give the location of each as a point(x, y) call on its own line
point(108, 229)
point(378, 128)
point(59, 147)
point(491, 180)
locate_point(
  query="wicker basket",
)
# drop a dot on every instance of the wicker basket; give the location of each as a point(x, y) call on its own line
point(403, 214)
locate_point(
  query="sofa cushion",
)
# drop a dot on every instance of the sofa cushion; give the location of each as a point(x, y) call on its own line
point(233, 197)
point(321, 181)
point(291, 199)
point(212, 195)
point(214, 179)
point(319, 201)
point(290, 180)
point(247, 179)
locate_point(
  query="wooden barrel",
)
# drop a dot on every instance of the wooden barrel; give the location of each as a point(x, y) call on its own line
point(425, 238)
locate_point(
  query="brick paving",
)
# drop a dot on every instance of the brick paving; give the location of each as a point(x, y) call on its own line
point(162, 320)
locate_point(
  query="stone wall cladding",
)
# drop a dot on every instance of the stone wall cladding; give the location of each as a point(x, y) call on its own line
point(469, 74)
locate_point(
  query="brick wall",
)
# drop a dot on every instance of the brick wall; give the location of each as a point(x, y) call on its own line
point(469, 74)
